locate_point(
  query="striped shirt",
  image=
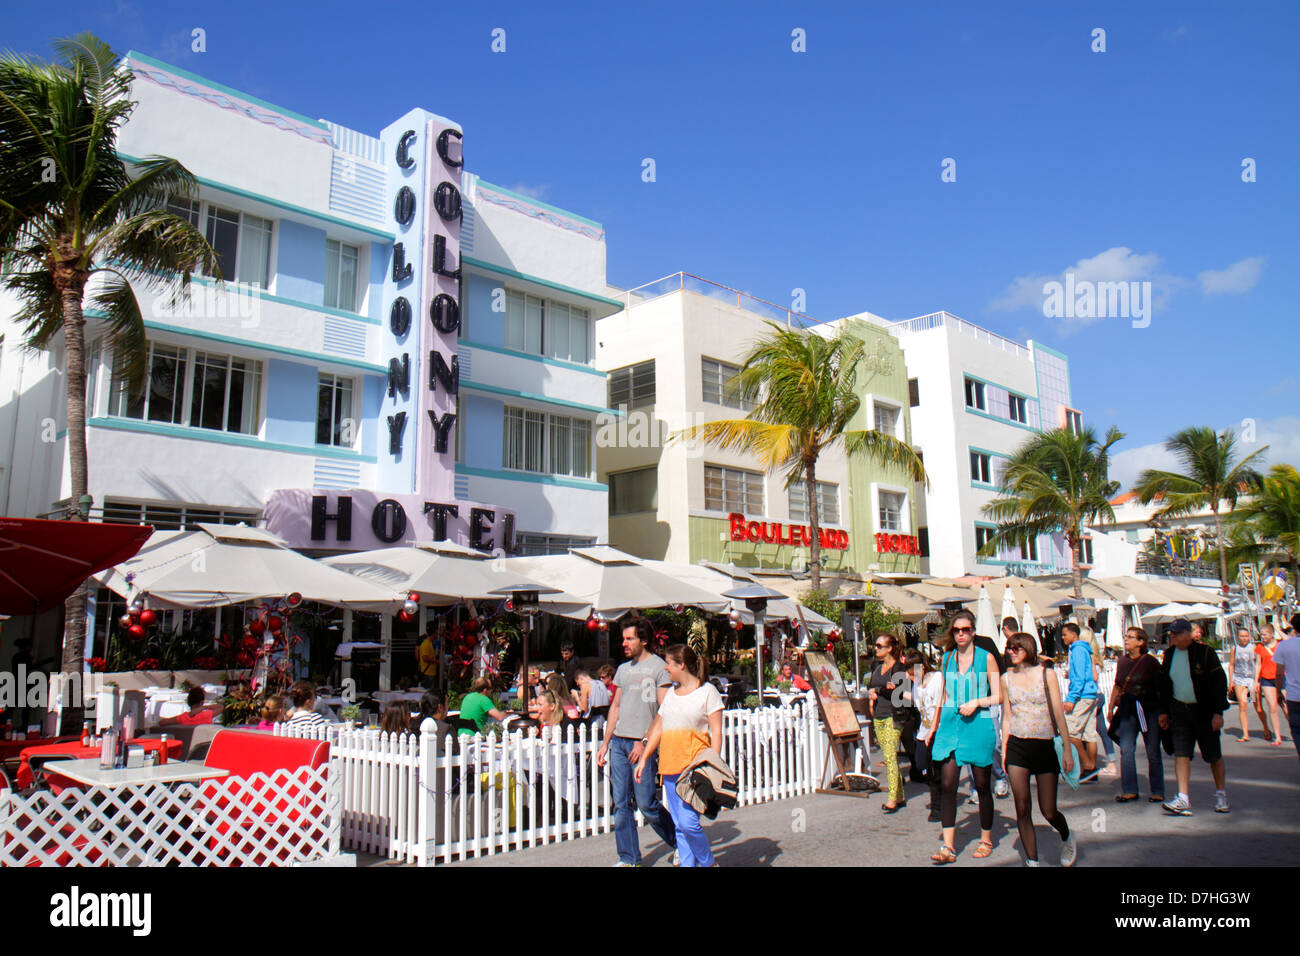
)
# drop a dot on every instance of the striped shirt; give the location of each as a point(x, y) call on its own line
point(307, 718)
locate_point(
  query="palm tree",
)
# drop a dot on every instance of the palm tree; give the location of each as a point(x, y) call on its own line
point(1211, 475)
point(1272, 516)
point(69, 210)
point(804, 390)
point(1056, 481)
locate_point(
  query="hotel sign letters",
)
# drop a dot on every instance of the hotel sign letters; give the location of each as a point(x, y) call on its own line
point(774, 532)
point(897, 544)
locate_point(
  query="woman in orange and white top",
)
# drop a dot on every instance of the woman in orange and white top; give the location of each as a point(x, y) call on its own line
point(689, 720)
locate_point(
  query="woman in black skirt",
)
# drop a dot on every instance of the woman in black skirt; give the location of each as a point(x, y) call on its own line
point(1033, 708)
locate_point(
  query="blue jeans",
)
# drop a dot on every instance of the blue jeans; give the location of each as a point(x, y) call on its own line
point(629, 795)
point(692, 841)
point(1100, 711)
point(1128, 730)
point(1293, 718)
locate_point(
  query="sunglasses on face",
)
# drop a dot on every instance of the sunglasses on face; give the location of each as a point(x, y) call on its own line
point(963, 630)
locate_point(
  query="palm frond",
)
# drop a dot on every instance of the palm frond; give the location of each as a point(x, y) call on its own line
point(117, 301)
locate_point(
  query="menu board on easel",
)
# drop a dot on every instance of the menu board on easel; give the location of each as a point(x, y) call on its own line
point(838, 715)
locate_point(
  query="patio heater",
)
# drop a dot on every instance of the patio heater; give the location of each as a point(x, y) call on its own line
point(525, 599)
point(854, 605)
point(756, 597)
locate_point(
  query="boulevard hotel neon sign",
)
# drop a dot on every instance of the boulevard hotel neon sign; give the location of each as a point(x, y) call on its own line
point(774, 532)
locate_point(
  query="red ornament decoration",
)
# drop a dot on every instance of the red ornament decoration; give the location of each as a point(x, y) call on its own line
point(137, 631)
point(275, 622)
point(256, 625)
point(294, 599)
point(592, 624)
point(405, 615)
point(413, 596)
point(148, 618)
point(125, 620)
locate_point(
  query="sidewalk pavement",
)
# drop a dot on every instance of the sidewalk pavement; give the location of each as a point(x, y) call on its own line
point(1263, 828)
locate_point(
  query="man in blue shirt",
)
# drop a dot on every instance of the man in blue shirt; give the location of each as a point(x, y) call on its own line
point(1193, 696)
point(1081, 702)
point(1286, 655)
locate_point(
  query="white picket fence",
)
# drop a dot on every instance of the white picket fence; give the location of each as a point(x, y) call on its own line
point(414, 798)
point(280, 819)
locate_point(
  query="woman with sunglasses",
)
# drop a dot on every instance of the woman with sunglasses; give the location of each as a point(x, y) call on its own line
point(1032, 710)
point(964, 732)
point(1134, 709)
point(888, 674)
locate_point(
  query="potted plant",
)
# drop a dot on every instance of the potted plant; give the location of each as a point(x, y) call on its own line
point(352, 714)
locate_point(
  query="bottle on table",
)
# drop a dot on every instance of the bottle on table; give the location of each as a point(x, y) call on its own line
point(162, 749)
point(108, 750)
point(85, 735)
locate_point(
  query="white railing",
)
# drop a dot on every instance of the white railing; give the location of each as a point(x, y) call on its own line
point(961, 326)
point(279, 819)
point(418, 799)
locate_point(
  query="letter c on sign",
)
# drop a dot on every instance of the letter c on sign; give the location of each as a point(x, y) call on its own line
point(445, 147)
point(404, 144)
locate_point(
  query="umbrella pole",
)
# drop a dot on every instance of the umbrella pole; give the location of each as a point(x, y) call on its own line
point(523, 673)
point(758, 650)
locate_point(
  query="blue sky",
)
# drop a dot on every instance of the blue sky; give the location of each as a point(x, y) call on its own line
point(778, 170)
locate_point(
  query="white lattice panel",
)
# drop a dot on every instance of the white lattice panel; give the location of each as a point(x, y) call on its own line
point(277, 819)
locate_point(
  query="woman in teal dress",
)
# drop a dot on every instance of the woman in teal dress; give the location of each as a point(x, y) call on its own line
point(964, 733)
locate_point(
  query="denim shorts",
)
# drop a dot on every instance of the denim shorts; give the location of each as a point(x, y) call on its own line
point(1191, 728)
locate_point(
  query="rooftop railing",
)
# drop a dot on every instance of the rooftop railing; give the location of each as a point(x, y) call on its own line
point(940, 319)
point(686, 282)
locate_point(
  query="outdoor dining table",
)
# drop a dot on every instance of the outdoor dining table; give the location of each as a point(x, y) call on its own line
point(12, 749)
point(88, 771)
point(73, 750)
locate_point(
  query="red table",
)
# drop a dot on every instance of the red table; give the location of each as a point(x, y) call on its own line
point(75, 751)
point(11, 749)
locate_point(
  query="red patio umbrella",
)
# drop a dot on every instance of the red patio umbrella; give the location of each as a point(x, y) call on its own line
point(42, 562)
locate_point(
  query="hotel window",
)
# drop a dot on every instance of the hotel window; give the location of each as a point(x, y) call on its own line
point(226, 393)
point(1086, 547)
point(524, 314)
point(1016, 408)
point(733, 489)
point(886, 419)
point(1073, 421)
point(164, 395)
point(185, 209)
point(539, 544)
point(222, 233)
point(717, 388)
point(891, 510)
point(913, 393)
point(632, 386)
point(568, 330)
point(983, 535)
point(632, 492)
point(334, 422)
point(974, 394)
point(923, 541)
point(1029, 552)
point(828, 502)
point(546, 444)
point(254, 251)
point(979, 468)
point(341, 275)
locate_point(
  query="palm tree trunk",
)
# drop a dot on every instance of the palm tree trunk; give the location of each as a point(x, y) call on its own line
point(814, 523)
point(74, 328)
point(1076, 559)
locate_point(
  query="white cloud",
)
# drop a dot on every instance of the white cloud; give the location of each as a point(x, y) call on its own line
point(1239, 277)
point(1281, 436)
point(1117, 264)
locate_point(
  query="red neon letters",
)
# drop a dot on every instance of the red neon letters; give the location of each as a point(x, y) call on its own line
point(774, 532)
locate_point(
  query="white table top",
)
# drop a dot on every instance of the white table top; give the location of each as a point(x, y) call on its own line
point(88, 771)
point(389, 696)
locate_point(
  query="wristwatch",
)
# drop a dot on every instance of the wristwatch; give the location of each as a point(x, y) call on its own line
point(645, 741)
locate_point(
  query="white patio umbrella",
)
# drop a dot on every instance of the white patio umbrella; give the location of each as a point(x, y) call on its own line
point(1008, 610)
point(1115, 623)
point(440, 573)
point(229, 564)
point(1028, 625)
point(723, 577)
point(607, 581)
point(984, 623)
point(1170, 612)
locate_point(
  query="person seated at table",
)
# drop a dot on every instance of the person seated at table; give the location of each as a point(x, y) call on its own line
point(549, 714)
point(197, 714)
point(396, 719)
point(303, 695)
point(559, 687)
point(476, 707)
point(593, 699)
point(272, 713)
point(606, 676)
point(788, 676)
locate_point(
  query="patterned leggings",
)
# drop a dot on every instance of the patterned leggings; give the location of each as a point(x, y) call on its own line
point(887, 736)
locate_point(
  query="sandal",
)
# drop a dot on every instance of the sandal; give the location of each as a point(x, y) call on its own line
point(1126, 797)
point(945, 855)
point(985, 849)
point(1156, 798)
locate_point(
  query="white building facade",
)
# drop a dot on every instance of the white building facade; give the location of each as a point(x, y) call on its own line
point(400, 351)
point(974, 398)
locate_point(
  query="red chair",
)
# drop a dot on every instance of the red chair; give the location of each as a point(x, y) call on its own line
point(245, 753)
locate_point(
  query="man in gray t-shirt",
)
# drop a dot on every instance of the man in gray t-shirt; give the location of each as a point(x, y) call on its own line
point(639, 687)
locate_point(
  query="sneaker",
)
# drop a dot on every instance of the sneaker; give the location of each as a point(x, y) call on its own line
point(1032, 863)
point(1069, 851)
point(1178, 807)
point(1090, 776)
point(677, 858)
point(1221, 803)
point(1003, 789)
point(622, 863)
